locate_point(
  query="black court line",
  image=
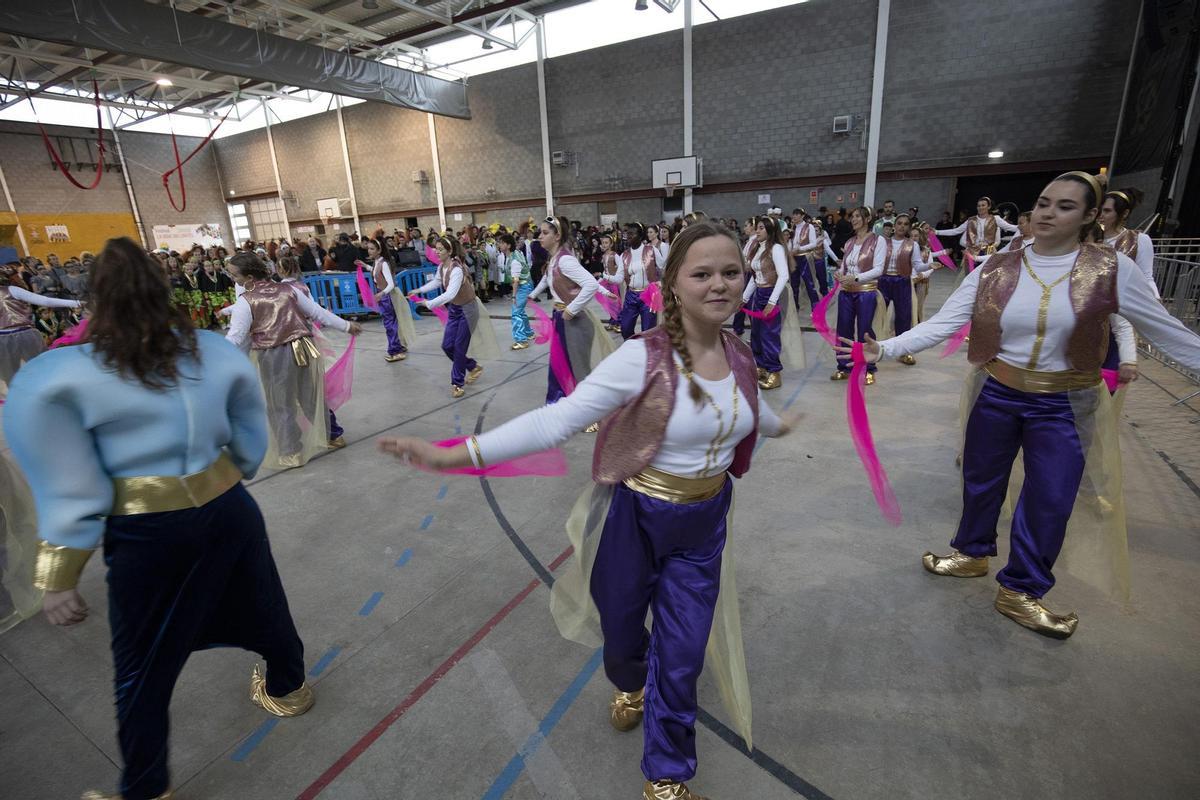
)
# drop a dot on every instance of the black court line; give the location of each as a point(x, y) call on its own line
point(1183, 476)
point(769, 765)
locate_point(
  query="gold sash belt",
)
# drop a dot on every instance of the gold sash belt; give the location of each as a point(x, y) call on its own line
point(153, 494)
point(674, 488)
point(560, 306)
point(861, 287)
point(1037, 382)
point(303, 349)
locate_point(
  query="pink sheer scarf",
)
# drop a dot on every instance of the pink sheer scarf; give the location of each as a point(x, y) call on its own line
point(819, 314)
point(956, 341)
point(864, 443)
point(652, 297)
point(935, 245)
point(364, 288)
point(438, 311)
point(560, 365)
point(339, 378)
point(73, 335)
point(547, 463)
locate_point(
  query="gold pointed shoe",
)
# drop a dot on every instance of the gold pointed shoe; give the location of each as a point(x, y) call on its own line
point(457, 392)
point(668, 790)
point(520, 345)
point(338, 443)
point(291, 461)
point(625, 710)
point(1027, 610)
point(93, 794)
point(772, 380)
point(839, 376)
point(397, 357)
point(762, 373)
point(955, 565)
point(870, 379)
point(474, 374)
point(907, 360)
point(292, 705)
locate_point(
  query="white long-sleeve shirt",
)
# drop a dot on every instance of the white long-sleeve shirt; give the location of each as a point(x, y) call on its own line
point(980, 225)
point(757, 279)
point(1135, 297)
point(692, 430)
point(241, 318)
point(570, 267)
point(1122, 330)
point(450, 292)
point(919, 264)
point(850, 253)
point(805, 241)
point(1145, 254)
point(25, 296)
point(637, 268)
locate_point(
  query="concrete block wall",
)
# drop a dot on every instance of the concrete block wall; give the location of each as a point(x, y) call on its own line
point(309, 152)
point(245, 162)
point(497, 154)
point(386, 145)
point(148, 156)
point(617, 108)
point(38, 187)
point(767, 86)
point(1041, 82)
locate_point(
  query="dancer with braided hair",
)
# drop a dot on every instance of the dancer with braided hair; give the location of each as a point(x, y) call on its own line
point(682, 411)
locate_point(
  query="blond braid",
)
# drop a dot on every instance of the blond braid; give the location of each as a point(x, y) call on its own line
point(673, 322)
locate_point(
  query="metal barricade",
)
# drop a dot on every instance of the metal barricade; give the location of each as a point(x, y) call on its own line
point(337, 292)
point(1178, 281)
point(410, 280)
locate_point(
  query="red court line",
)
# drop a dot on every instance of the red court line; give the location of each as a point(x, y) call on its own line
point(369, 738)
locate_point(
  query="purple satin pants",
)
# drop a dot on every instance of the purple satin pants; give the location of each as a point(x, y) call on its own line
point(897, 290)
point(1043, 427)
point(390, 326)
point(455, 341)
point(665, 557)
point(635, 309)
point(764, 333)
point(856, 315)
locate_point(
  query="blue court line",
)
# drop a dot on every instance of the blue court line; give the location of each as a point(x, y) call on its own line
point(508, 776)
point(425, 523)
point(405, 557)
point(254, 740)
point(441, 495)
point(369, 606)
point(324, 661)
point(808, 373)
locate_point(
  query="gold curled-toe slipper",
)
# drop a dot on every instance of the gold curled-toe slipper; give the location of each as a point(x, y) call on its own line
point(955, 565)
point(292, 705)
point(668, 790)
point(1027, 610)
point(626, 708)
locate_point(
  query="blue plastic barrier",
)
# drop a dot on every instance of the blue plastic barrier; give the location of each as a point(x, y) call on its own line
point(412, 279)
point(337, 292)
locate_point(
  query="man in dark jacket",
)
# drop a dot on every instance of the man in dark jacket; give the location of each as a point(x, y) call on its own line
point(344, 253)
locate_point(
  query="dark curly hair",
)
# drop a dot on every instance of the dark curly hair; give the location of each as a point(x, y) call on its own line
point(134, 328)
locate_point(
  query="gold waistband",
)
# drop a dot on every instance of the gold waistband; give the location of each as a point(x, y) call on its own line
point(861, 287)
point(1036, 382)
point(157, 493)
point(303, 349)
point(560, 306)
point(674, 488)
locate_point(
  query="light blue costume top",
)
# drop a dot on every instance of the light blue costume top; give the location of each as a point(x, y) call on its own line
point(74, 425)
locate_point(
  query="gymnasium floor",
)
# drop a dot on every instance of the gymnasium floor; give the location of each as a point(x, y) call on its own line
point(439, 673)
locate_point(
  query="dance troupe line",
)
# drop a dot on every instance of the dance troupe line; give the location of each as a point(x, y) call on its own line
point(156, 425)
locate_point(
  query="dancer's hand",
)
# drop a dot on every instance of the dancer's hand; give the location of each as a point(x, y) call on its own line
point(845, 279)
point(355, 329)
point(568, 316)
point(872, 352)
point(421, 453)
point(788, 422)
point(1127, 373)
point(65, 608)
point(768, 309)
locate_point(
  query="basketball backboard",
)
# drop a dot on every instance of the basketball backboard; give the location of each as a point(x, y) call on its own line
point(677, 173)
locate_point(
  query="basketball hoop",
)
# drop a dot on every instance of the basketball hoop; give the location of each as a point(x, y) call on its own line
point(671, 191)
point(327, 222)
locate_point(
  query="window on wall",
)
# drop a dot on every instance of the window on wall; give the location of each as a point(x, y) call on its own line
point(239, 222)
point(260, 219)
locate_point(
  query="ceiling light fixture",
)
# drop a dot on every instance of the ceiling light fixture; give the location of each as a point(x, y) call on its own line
point(164, 82)
point(640, 5)
point(487, 44)
point(996, 154)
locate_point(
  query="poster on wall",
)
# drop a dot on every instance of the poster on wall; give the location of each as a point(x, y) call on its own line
point(57, 233)
point(764, 199)
point(607, 220)
point(180, 238)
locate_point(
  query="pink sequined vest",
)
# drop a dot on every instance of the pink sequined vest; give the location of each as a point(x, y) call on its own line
point(631, 436)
